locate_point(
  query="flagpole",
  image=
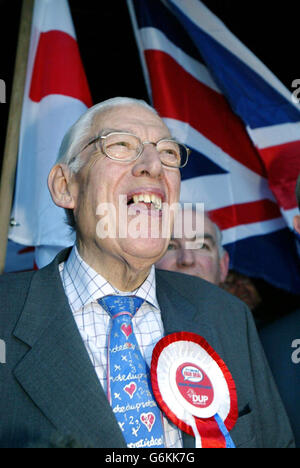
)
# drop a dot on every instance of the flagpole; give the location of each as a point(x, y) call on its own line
point(13, 127)
point(140, 48)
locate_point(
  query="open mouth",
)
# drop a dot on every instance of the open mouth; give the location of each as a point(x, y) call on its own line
point(149, 199)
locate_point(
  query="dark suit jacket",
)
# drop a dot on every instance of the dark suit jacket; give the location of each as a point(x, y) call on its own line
point(277, 339)
point(49, 386)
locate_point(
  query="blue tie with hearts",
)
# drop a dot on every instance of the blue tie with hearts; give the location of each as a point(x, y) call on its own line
point(128, 381)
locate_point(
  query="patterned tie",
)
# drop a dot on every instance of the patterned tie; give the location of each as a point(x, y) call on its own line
point(128, 381)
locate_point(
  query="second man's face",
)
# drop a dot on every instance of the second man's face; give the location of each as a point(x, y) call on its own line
point(196, 252)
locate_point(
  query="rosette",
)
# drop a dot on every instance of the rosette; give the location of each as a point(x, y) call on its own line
point(195, 389)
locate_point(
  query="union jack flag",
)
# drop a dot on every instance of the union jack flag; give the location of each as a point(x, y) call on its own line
point(241, 123)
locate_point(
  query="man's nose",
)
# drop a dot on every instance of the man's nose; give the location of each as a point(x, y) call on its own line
point(149, 162)
point(185, 257)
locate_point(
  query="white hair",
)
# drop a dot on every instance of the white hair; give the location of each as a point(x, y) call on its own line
point(219, 239)
point(69, 151)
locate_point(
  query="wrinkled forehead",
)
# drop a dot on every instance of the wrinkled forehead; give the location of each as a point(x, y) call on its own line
point(131, 118)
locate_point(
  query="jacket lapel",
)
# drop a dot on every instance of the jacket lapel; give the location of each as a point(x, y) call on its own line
point(178, 314)
point(57, 372)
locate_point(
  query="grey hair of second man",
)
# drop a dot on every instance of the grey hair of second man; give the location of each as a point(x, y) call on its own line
point(69, 151)
point(219, 238)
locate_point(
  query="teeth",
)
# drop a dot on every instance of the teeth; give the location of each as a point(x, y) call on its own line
point(148, 198)
point(157, 204)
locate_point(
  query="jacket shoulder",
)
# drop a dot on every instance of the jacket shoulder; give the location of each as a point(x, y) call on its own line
point(193, 287)
point(14, 288)
point(12, 284)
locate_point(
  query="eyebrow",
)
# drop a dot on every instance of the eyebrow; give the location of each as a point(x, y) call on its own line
point(196, 237)
point(106, 131)
point(210, 237)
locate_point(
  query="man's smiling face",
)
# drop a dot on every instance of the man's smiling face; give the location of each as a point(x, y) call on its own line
point(144, 183)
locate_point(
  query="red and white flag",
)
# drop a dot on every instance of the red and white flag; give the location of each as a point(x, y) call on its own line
point(56, 94)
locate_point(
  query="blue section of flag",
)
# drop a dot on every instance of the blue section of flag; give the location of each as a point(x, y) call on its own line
point(199, 165)
point(18, 257)
point(250, 96)
point(267, 257)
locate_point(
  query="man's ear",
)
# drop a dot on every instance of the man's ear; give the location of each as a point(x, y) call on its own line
point(297, 223)
point(224, 266)
point(59, 186)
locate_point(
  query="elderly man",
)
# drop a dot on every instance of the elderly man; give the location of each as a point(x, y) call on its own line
point(199, 251)
point(80, 332)
point(281, 341)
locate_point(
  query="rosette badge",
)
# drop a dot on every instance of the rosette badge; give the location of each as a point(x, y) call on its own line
point(195, 389)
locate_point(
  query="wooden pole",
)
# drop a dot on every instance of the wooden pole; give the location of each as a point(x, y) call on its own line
point(13, 127)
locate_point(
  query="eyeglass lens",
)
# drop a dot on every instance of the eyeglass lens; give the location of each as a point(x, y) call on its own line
point(124, 146)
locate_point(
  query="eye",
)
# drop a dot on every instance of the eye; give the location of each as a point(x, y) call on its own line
point(121, 149)
point(204, 246)
point(201, 244)
point(169, 152)
point(116, 144)
point(172, 246)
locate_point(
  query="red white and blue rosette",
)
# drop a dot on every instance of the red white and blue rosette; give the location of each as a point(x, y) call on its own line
point(195, 389)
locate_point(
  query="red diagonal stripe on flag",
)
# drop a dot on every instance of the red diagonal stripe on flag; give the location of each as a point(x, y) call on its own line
point(58, 68)
point(178, 95)
point(245, 213)
point(283, 164)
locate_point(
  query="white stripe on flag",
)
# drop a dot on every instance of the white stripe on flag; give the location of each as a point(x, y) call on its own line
point(289, 216)
point(246, 231)
point(52, 15)
point(274, 135)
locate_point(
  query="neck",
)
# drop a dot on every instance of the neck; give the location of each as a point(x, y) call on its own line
point(119, 272)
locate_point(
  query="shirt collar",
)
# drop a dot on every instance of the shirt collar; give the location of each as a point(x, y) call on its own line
point(86, 285)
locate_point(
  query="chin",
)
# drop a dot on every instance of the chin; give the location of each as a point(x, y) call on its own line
point(148, 249)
